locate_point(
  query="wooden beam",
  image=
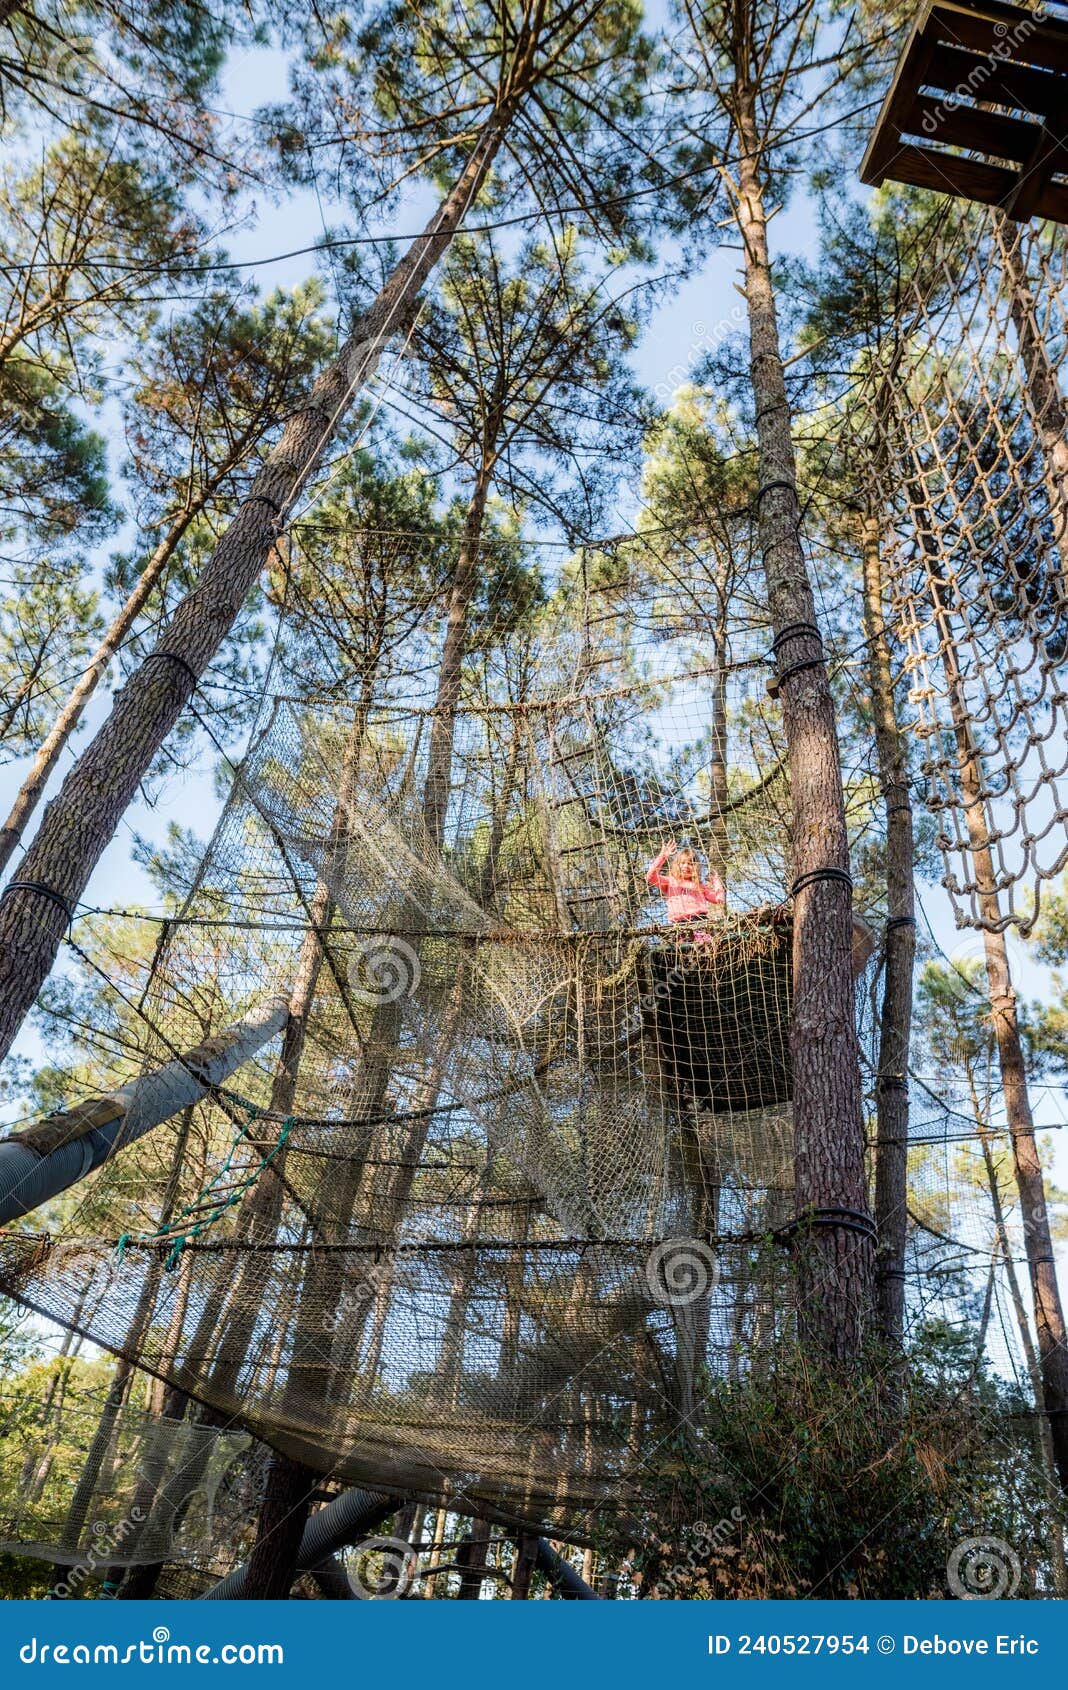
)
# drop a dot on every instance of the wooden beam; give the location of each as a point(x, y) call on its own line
point(992, 80)
point(897, 104)
point(948, 174)
point(967, 178)
point(999, 137)
point(1034, 178)
point(1038, 93)
point(1005, 31)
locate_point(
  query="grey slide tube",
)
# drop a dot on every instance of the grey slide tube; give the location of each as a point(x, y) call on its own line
point(59, 1151)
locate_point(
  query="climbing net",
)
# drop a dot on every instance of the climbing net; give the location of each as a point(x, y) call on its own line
point(516, 1177)
point(527, 1179)
point(962, 415)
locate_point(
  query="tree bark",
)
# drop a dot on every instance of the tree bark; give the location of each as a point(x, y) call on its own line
point(1034, 1370)
point(471, 1555)
point(895, 1020)
point(63, 728)
point(272, 1566)
point(86, 1485)
point(80, 820)
point(289, 1483)
point(526, 1549)
point(450, 669)
point(834, 1260)
point(435, 1553)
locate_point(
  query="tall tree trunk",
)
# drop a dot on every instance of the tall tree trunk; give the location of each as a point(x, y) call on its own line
point(1038, 1242)
point(526, 1550)
point(230, 1313)
point(272, 1566)
point(719, 791)
point(471, 1556)
point(81, 819)
point(895, 1020)
point(62, 730)
point(1034, 1370)
point(289, 1483)
point(834, 1254)
point(436, 789)
point(323, 1285)
point(86, 1485)
point(434, 1557)
point(450, 670)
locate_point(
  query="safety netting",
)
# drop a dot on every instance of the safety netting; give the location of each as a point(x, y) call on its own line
point(525, 1182)
point(960, 415)
point(515, 1180)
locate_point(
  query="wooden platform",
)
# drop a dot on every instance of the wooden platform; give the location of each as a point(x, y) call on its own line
point(978, 108)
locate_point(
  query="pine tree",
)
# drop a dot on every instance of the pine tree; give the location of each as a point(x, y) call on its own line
point(758, 66)
point(208, 390)
point(511, 67)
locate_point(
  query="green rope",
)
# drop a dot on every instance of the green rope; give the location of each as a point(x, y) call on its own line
point(177, 1228)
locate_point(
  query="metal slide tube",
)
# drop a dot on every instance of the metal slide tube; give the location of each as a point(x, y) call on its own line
point(346, 1520)
point(59, 1151)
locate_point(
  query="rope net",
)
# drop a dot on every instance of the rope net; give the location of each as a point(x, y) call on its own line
point(526, 1175)
point(517, 1176)
point(962, 414)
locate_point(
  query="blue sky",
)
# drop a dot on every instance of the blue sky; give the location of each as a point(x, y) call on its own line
point(679, 331)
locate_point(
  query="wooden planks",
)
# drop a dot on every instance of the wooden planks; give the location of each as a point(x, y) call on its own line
point(976, 109)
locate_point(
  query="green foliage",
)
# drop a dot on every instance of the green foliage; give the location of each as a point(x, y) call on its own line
point(48, 1411)
point(1048, 1020)
point(151, 67)
point(808, 1485)
point(405, 90)
point(523, 359)
point(49, 623)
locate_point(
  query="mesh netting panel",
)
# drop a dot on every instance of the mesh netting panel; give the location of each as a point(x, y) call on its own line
point(963, 413)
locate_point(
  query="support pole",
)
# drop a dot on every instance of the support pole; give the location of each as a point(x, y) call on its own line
point(562, 1575)
point(352, 1517)
point(58, 1152)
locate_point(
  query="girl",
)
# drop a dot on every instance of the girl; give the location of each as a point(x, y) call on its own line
point(689, 898)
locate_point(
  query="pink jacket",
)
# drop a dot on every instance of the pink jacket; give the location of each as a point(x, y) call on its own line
point(685, 898)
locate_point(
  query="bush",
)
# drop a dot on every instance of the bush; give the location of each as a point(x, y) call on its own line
point(804, 1483)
